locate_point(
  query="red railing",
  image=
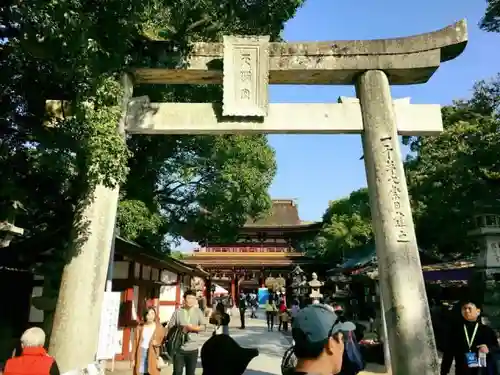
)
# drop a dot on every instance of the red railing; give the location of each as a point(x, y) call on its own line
point(244, 249)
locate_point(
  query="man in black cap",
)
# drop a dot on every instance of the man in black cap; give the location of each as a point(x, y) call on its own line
point(318, 340)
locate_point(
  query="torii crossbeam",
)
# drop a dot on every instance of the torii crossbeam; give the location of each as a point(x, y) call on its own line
point(405, 61)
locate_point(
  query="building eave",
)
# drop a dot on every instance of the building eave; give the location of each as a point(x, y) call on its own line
point(211, 263)
point(285, 227)
point(135, 251)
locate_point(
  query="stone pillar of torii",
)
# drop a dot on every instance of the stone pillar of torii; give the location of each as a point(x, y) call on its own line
point(249, 65)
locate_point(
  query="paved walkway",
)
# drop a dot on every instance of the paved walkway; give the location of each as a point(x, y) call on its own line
point(271, 346)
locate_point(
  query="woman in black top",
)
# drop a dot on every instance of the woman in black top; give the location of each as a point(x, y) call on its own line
point(467, 338)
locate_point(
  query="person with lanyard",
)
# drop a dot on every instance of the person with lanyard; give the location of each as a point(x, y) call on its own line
point(192, 320)
point(469, 343)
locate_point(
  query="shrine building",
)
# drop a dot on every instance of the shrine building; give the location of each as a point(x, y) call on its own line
point(268, 247)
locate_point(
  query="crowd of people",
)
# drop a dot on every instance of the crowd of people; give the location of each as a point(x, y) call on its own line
point(276, 311)
point(324, 342)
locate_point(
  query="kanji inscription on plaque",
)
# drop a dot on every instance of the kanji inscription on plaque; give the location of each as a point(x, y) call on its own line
point(246, 76)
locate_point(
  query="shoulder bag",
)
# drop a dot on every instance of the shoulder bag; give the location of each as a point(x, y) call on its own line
point(173, 340)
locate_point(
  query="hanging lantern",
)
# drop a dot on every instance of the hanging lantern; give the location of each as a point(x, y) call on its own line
point(281, 283)
point(270, 283)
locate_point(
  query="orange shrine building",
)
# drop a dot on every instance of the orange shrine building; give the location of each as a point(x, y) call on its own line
point(268, 247)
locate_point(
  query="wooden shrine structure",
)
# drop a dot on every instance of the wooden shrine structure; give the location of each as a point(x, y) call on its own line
point(264, 248)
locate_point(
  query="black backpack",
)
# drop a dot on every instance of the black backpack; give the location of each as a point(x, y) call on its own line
point(288, 362)
point(172, 342)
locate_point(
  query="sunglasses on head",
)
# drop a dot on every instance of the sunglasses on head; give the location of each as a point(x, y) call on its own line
point(330, 332)
point(337, 321)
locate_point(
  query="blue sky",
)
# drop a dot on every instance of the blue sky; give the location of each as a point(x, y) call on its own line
point(315, 169)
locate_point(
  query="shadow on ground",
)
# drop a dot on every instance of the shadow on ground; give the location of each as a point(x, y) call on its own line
point(272, 344)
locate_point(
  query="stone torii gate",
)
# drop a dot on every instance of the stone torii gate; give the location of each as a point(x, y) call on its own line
point(250, 64)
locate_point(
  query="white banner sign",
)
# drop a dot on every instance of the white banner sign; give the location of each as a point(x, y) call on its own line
point(106, 348)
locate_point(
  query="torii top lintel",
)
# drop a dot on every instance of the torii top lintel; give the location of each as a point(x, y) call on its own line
point(407, 60)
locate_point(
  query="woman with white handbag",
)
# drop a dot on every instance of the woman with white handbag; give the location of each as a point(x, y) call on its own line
point(146, 345)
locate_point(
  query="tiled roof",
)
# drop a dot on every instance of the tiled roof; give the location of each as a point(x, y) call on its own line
point(283, 219)
point(247, 259)
point(284, 212)
point(367, 255)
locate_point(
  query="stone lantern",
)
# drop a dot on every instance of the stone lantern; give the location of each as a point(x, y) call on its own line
point(7, 228)
point(486, 280)
point(315, 286)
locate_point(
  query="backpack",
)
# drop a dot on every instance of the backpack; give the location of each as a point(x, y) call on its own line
point(353, 354)
point(173, 340)
point(288, 362)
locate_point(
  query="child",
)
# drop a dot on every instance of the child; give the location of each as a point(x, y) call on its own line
point(285, 318)
point(282, 309)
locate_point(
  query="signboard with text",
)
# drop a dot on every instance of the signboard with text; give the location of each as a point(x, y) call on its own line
point(108, 330)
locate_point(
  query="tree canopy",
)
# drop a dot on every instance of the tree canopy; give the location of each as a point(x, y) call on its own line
point(491, 19)
point(451, 177)
point(346, 226)
point(76, 51)
point(456, 175)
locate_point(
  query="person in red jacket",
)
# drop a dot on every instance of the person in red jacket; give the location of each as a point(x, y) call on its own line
point(34, 359)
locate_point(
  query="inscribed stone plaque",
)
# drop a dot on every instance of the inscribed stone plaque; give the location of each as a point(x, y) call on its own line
point(246, 75)
point(400, 221)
